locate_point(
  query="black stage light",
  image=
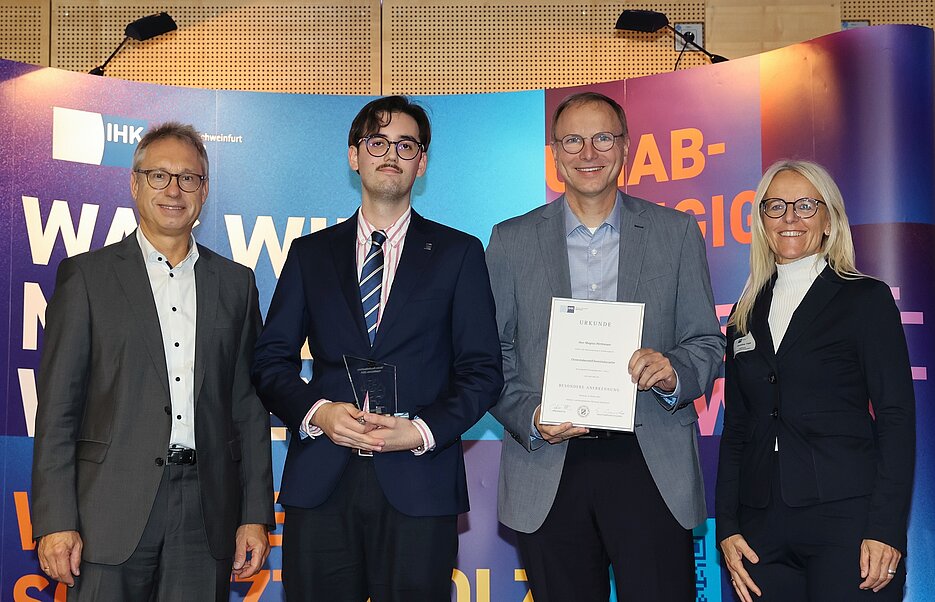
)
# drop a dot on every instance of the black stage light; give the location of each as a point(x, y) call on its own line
point(141, 29)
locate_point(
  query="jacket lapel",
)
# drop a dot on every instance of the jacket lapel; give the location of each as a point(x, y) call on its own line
point(825, 287)
point(759, 324)
point(207, 289)
point(344, 258)
point(553, 247)
point(417, 254)
point(131, 274)
point(633, 232)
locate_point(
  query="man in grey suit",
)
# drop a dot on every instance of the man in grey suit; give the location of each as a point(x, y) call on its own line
point(152, 475)
point(579, 499)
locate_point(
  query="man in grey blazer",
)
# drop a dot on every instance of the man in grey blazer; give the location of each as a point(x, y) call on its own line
point(152, 475)
point(578, 499)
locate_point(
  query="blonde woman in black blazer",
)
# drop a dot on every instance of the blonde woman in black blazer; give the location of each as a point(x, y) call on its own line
point(818, 446)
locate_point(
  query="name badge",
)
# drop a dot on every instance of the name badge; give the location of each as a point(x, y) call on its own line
point(744, 343)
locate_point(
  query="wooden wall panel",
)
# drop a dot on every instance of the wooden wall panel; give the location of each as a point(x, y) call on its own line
point(411, 46)
point(24, 31)
point(324, 46)
point(878, 12)
point(746, 27)
point(463, 46)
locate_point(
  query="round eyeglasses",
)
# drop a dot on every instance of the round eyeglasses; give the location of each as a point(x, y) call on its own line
point(159, 179)
point(803, 208)
point(601, 141)
point(406, 149)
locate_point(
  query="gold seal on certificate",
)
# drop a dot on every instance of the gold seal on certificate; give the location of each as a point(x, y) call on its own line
point(586, 378)
point(373, 381)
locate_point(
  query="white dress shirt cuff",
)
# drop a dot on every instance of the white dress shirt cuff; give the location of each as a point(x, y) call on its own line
point(307, 429)
point(428, 440)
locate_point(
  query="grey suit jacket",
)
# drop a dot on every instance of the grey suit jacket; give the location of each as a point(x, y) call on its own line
point(662, 264)
point(103, 416)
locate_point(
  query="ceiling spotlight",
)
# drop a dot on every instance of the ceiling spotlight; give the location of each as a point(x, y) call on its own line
point(141, 29)
point(650, 21)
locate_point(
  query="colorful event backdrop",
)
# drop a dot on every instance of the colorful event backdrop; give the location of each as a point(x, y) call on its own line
point(860, 102)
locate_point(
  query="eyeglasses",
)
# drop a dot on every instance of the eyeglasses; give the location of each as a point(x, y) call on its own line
point(160, 179)
point(601, 141)
point(378, 146)
point(804, 208)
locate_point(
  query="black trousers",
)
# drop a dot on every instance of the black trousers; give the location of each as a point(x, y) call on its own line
point(172, 561)
point(812, 553)
point(357, 545)
point(608, 513)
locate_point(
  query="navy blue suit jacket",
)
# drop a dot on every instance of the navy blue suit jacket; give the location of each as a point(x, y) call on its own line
point(439, 330)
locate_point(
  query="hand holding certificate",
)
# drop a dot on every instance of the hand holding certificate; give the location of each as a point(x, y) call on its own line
point(587, 381)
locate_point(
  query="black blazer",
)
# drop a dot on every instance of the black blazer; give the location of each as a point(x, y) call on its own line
point(843, 352)
point(438, 328)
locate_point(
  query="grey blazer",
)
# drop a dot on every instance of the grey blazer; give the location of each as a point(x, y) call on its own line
point(103, 415)
point(662, 264)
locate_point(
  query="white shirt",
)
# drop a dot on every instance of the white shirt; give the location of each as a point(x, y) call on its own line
point(174, 293)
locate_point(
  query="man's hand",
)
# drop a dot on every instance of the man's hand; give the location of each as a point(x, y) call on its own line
point(250, 538)
point(735, 549)
point(878, 562)
point(556, 433)
point(60, 556)
point(398, 434)
point(649, 368)
point(345, 425)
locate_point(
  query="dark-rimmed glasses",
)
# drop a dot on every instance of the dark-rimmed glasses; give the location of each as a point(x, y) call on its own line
point(803, 208)
point(378, 145)
point(159, 179)
point(601, 141)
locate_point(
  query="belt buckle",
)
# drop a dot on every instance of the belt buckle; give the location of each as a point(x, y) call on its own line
point(364, 453)
point(180, 455)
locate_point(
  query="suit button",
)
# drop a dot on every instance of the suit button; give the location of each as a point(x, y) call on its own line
point(160, 461)
point(771, 378)
point(167, 409)
point(775, 413)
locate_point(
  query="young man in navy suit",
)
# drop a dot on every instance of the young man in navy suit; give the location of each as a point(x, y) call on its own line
point(374, 482)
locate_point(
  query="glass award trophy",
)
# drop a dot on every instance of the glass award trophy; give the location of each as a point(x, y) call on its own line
point(374, 384)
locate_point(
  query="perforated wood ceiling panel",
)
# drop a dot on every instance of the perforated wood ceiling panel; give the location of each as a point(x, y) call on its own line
point(914, 12)
point(464, 46)
point(330, 46)
point(24, 32)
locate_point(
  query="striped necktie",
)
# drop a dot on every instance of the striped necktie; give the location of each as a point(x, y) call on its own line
point(371, 282)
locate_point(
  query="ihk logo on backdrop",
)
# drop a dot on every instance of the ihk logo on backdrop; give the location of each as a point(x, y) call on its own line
point(84, 137)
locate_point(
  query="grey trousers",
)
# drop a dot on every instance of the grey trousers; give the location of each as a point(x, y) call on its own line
point(172, 561)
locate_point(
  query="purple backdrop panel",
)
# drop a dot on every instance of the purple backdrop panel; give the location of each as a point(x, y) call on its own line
point(860, 103)
point(901, 255)
point(695, 146)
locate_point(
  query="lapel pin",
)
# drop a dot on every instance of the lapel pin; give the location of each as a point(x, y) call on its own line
point(428, 246)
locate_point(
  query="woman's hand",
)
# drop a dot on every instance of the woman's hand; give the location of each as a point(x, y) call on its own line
point(735, 549)
point(878, 562)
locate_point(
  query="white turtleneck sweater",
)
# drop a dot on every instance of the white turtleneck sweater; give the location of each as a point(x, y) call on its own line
point(792, 282)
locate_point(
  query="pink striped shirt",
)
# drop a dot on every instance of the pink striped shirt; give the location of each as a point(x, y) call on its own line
point(392, 251)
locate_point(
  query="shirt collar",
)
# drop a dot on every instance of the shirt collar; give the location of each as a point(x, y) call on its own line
point(394, 234)
point(572, 222)
point(152, 255)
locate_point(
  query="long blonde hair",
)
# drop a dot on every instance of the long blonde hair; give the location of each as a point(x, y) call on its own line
point(837, 247)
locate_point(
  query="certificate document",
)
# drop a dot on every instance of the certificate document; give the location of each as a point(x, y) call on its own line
point(586, 377)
